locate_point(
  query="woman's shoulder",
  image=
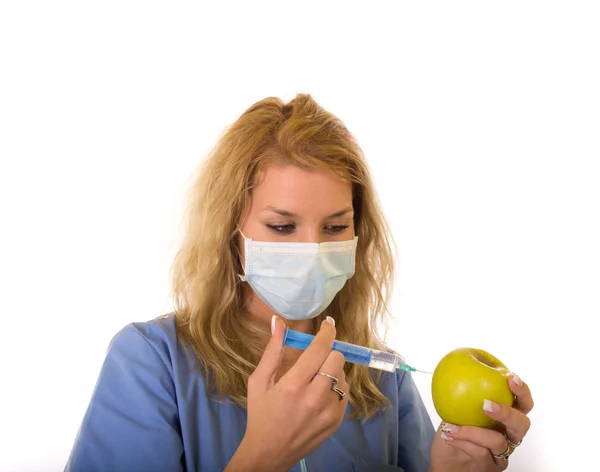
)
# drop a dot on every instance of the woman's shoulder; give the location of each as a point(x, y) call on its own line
point(133, 412)
point(400, 390)
point(158, 332)
point(157, 336)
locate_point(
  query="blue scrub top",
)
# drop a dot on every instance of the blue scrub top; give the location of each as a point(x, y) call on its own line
point(150, 412)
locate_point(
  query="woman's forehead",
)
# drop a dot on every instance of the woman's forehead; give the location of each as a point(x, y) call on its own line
point(291, 185)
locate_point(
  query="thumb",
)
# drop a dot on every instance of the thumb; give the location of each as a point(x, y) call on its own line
point(266, 370)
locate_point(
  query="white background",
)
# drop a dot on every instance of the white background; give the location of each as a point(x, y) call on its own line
point(480, 121)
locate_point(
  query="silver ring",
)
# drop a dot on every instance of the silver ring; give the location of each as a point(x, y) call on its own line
point(341, 393)
point(512, 444)
point(334, 382)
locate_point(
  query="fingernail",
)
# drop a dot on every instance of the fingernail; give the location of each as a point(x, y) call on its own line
point(517, 380)
point(273, 323)
point(449, 428)
point(447, 438)
point(490, 406)
point(330, 320)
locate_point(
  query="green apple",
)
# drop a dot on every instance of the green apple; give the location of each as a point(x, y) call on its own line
point(462, 380)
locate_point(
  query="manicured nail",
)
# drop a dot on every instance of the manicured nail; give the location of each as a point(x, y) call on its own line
point(449, 428)
point(330, 320)
point(273, 323)
point(517, 380)
point(447, 438)
point(490, 406)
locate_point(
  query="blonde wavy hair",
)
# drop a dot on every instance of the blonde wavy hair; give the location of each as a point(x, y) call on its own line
point(208, 295)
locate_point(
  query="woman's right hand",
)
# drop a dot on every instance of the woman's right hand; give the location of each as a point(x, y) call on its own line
point(290, 418)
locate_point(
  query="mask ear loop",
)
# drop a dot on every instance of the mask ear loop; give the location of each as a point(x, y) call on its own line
point(243, 277)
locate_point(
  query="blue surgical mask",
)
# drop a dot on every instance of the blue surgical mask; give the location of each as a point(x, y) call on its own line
point(298, 280)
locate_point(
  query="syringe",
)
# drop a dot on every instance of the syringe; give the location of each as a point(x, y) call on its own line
point(373, 358)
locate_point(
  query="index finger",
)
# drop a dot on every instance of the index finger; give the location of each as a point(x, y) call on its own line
point(313, 357)
point(524, 400)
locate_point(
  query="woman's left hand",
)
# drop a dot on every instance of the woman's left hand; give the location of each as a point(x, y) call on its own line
point(472, 449)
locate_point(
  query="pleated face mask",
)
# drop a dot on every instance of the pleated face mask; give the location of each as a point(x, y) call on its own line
point(298, 280)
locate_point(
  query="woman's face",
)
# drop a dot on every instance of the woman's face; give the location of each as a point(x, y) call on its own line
point(297, 205)
point(290, 204)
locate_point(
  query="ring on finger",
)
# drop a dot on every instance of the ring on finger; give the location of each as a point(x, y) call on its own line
point(506, 454)
point(341, 393)
point(334, 380)
point(512, 444)
point(510, 448)
point(334, 383)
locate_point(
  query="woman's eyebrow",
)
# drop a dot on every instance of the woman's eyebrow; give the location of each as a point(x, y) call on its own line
point(289, 214)
point(342, 212)
point(280, 211)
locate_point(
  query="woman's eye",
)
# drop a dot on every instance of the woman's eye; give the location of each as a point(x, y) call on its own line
point(290, 228)
point(336, 229)
point(282, 229)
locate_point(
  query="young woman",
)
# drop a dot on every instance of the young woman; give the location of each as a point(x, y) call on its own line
point(283, 229)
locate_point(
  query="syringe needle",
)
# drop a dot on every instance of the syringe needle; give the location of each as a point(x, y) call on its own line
point(423, 371)
point(412, 369)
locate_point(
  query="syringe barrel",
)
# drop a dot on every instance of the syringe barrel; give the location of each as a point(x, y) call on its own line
point(352, 353)
point(383, 361)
